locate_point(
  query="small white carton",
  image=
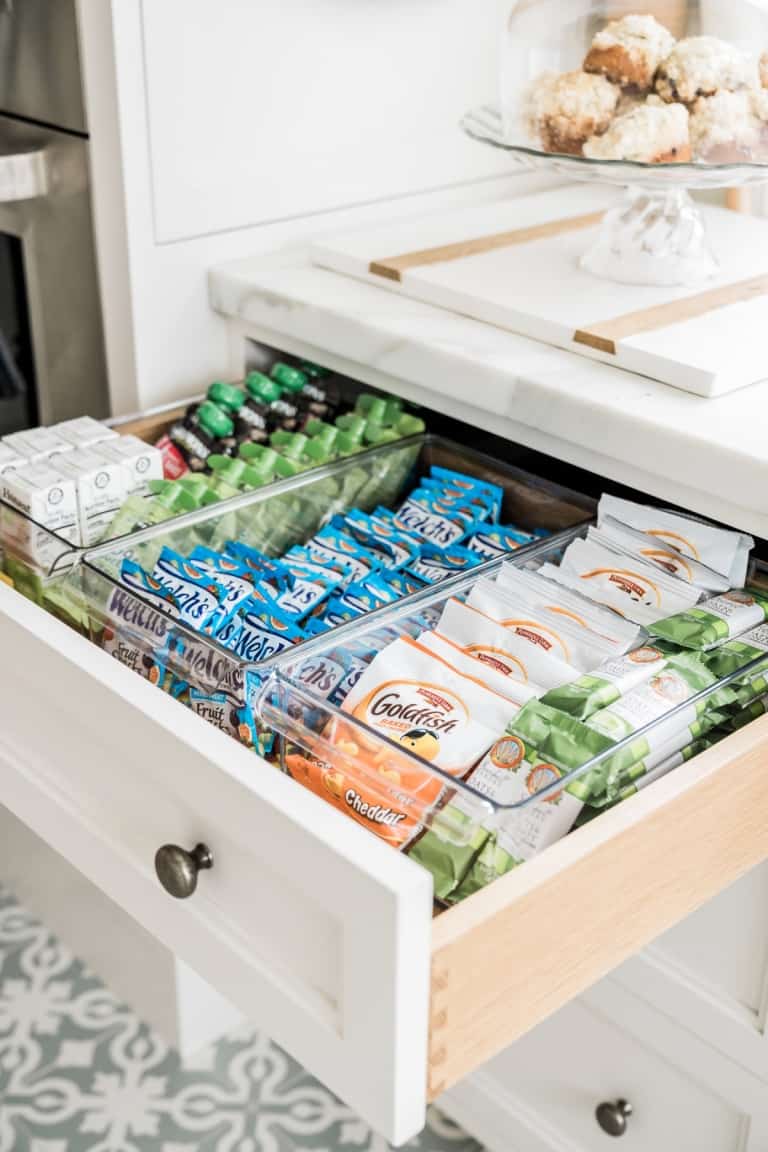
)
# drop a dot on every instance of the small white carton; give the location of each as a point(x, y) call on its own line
point(100, 487)
point(84, 431)
point(9, 460)
point(141, 462)
point(36, 444)
point(48, 502)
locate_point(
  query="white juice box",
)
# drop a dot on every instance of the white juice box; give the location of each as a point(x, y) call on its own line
point(49, 504)
point(9, 460)
point(37, 444)
point(100, 487)
point(84, 431)
point(141, 462)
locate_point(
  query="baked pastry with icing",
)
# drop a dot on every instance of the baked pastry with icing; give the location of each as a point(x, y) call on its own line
point(568, 109)
point(628, 51)
point(730, 126)
point(653, 133)
point(702, 66)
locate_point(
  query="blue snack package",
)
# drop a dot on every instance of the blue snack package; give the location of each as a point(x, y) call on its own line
point(366, 595)
point(233, 715)
point(316, 626)
point(201, 599)
point(438, 523)
point(300, 554)
point(480, 503)
point(235, 578)
point(338, 613)
point(459, 482)
point(491, 542)
point(331, 676)
point(404, 582)
point(436, 564)
point(396, 548)
point(310, 588)
point(265, 567)
point(137, 579)
point(263, 633)
point(329, 545)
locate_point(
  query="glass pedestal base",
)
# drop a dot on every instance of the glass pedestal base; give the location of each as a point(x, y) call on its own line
point(652, 237)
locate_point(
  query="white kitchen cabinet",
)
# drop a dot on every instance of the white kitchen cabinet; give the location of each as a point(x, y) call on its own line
point(219, 128)
point(285, 108)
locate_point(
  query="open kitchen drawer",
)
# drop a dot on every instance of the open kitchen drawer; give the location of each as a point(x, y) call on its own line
point(321, 933)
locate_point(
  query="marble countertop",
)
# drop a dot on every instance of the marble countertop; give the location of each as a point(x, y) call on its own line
point(709, 455)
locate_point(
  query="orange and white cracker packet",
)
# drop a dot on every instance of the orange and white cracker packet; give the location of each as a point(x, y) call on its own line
point(427, 710)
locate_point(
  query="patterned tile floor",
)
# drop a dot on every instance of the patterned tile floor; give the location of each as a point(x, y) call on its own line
point(80, 1073)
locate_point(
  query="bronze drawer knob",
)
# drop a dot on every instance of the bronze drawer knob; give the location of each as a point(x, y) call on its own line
point(613, 1116)
point(177, 870)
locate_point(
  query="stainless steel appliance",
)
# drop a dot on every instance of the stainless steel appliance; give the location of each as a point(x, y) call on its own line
point(52, 361)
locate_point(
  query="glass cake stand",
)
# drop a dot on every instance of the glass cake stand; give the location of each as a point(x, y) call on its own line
point(656, 234)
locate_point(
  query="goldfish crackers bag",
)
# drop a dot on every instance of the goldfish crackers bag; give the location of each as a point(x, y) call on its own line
point(426, 710)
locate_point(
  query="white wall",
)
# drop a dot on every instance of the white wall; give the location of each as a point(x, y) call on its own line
point(223, 127)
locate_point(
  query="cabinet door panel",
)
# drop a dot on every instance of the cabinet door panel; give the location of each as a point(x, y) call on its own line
point(281, 108)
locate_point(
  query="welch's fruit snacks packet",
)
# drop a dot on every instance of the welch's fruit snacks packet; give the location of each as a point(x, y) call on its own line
point(719, 549)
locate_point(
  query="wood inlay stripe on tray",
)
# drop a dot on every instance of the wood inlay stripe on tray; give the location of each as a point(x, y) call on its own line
point(605, 335)
point(392, 267)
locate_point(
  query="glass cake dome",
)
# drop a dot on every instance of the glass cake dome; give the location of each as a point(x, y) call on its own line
point(662, 97)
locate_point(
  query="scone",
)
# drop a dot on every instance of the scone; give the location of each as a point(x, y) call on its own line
point(629, 51)
point(566, 110)
point(654, 133)
point(729, 126)
point(702, 66)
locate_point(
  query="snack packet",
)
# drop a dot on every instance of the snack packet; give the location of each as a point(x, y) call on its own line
point(261, 632)
point(538, 591)
point(633, 588)
point(504, 685)
point(577, 646)
point(489, 543)
point(396, 549)
point(424, 707)
point(457, 482)
point(681, 678)
point(511, 773)
point(201, 599)
point(717, 620)
point(663, 556)
point(720, 549)
point(136, 579)
point(517, 652)
point(329, 546)
point(436, 564)
point(614, 678)
point(439, 522)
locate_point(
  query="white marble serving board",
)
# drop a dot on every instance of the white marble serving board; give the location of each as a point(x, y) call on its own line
point(537, 289)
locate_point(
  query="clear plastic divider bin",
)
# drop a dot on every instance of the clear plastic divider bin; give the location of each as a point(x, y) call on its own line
point(386, 787)
point(210, 677)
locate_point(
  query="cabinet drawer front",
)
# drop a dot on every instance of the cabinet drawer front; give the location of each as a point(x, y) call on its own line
point(523, 947)
point(546, 1090)
point(314, 928)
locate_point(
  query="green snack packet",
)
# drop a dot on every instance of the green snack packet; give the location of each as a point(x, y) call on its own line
point(734, 654)
point(608, 683)
point(751, 712)
point(716, 621)
point(448, 862)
